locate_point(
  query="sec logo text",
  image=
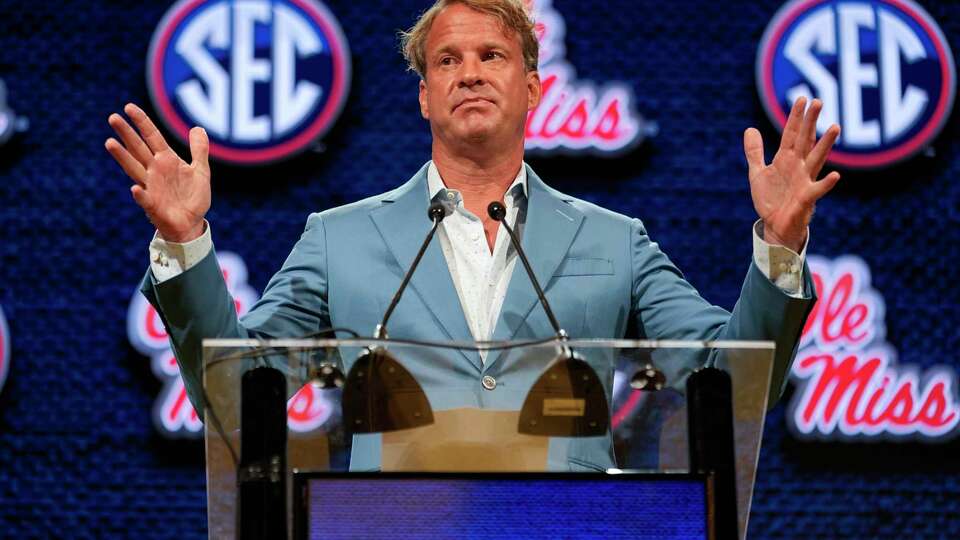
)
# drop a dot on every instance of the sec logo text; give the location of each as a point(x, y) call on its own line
point(265, 78)
point(882, 68)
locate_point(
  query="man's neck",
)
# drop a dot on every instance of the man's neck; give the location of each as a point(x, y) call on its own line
point(480, 179)
point(486, 178)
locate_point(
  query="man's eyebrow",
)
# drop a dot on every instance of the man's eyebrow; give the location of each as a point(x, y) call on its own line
point(453, 49)
point(446, 49)
point(495, 45)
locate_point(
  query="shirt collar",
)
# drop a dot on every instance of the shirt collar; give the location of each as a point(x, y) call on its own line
point(517, 189)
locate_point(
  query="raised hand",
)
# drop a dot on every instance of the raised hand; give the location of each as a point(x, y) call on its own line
point(174, 194)
point(785, 192)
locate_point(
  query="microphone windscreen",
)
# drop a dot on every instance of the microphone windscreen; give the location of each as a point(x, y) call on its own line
point(496, 210)
point(263, 415)
point(438, 211)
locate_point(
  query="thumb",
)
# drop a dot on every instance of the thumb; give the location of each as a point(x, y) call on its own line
point(199, 147)
point(824, 186)
point(141, 196)
point(753, 149)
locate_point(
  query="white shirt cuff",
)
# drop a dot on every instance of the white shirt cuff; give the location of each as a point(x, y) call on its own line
point(781, 265)
point(170, 259)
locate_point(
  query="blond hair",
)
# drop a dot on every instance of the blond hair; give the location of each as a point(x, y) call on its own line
point(511, 14)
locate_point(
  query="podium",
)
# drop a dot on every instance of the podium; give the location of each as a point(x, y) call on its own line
point(371, 438)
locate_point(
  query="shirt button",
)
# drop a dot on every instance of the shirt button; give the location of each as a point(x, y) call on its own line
point(488, 382)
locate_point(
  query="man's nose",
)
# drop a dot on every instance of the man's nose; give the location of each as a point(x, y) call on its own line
point(471, 72)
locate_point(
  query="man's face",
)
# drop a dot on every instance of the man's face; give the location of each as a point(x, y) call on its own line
point(477, 89)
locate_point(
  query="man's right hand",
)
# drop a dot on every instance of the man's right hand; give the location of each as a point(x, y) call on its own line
point(174, 194)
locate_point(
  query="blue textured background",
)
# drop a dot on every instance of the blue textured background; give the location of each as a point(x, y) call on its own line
point(79, 455)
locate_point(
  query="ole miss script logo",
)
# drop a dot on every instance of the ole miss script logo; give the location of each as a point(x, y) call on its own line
point(882, 68)
point(173, 414)
point(849, 384)
point(576, 115)
point(265, 78)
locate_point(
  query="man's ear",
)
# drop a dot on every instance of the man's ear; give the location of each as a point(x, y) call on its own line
point(424, 109)
point(534, 90)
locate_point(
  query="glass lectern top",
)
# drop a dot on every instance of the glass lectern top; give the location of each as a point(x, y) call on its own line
point(391, 405)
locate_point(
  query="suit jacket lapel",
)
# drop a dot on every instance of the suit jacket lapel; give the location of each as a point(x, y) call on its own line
point(548, 233)
point(403, 224)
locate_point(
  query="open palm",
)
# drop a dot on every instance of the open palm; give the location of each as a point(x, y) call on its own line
point(785, 191)
point(174, 194)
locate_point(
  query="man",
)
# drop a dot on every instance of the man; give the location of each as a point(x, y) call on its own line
point(477, 60)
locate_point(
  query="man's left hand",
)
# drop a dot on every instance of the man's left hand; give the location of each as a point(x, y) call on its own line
point(784, 193)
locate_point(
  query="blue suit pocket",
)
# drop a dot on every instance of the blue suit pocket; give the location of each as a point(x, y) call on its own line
point(584, 267)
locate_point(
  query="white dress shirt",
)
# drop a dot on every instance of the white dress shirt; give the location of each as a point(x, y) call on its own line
point(481, 277)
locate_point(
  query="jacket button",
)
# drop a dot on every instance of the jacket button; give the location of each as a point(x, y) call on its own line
point(488, 382)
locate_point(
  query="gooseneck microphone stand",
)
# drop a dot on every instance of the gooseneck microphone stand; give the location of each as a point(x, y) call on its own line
point(568, 399)
point(498, 212)
point(379, 394)
point(436, 213)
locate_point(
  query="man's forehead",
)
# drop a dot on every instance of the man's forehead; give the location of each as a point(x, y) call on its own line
point(458, 24)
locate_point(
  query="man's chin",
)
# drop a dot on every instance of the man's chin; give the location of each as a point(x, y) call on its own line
point(477, 135)
point(485, 134)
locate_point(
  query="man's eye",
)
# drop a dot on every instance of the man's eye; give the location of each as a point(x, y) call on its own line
point(446, 61)
point(492, 55)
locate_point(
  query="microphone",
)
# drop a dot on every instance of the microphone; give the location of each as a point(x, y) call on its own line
point(379, 394)
point(436, 213)
point(568, 399)
point(498, 212)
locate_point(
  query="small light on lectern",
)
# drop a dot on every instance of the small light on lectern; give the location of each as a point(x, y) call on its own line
point(648, 378)
point(327, 377)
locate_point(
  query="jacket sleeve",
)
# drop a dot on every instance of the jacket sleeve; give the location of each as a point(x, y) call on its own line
point(666, 306)
point(195, 305)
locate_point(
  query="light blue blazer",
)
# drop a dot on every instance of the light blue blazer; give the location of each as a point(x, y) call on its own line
point(602, 274)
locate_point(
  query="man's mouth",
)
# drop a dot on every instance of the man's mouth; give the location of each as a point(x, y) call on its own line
point(468, 101)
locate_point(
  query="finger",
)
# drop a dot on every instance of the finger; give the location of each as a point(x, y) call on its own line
point(151, 135)
point(808, 133)
point(127, 162)
point(791, 130)
point(131, 139)
point(141, 196)
point(753, 149)
point(824, 186)
point(818, 156)
point(199, 147)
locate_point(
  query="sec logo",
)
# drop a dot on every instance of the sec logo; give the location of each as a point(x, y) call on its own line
point(265, 78)
point(882, 68)
point(4, 349)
